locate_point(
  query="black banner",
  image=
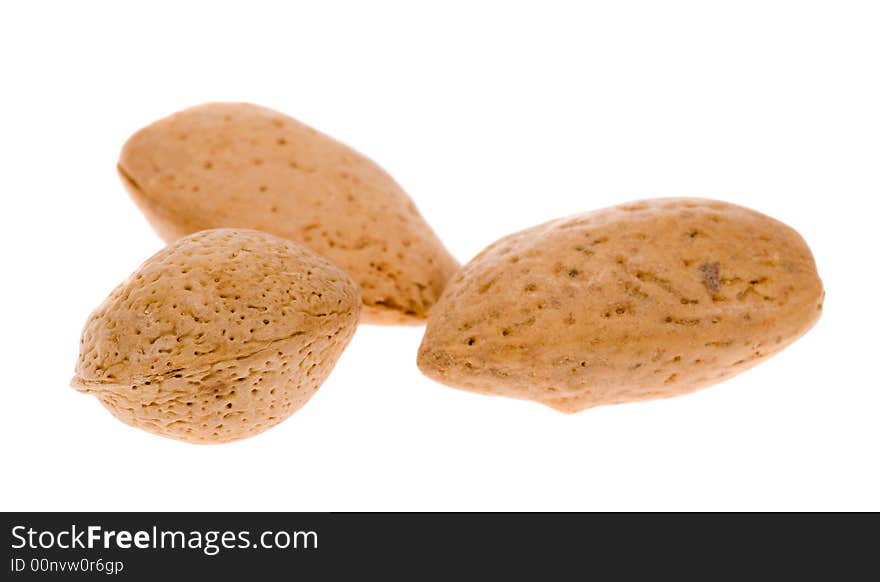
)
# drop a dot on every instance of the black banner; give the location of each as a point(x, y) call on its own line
point(270, 546)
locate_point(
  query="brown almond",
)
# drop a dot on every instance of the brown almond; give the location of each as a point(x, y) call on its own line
point(219, 336)
point(240, 165)
point(639, 301)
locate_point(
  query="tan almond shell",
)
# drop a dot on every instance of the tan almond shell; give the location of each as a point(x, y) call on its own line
point(219, 336)
point(241, 165)
point(639, 301)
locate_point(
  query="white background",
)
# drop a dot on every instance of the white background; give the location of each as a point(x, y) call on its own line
point(494, 117)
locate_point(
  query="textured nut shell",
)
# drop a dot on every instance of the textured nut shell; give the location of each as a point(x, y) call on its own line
point(218, 337)
point(240, 165)
point(639, 301)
